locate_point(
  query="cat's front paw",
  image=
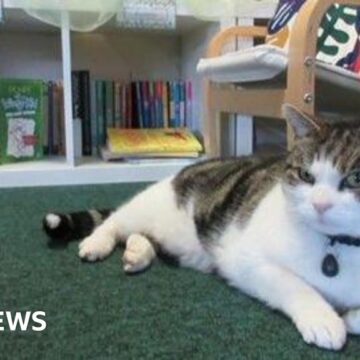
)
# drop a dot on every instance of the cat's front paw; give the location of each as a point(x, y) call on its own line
point(94, 248)
point(324, 328)
point(139, 253)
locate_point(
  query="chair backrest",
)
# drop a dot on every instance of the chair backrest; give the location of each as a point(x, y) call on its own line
point(338, 39)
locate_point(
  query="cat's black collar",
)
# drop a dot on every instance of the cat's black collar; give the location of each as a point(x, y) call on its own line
point(345, 240)
point(330, 266)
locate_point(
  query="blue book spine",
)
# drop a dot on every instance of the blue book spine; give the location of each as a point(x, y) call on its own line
point(142, 100)
point(148, 104)
point(171, 104)
point(139, 104)
point(100, 111)
point(145, 87)
point(177, 92)
point(93, 115)
point(152, 104)
point(182, 103)
point(109, 103)
point(117, 104)
point(106, 121)
point(156, 107)
point(159, 102)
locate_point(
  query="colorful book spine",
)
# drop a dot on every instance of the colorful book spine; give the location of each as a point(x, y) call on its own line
point(109, 103)
point(165, 101)
point(85, 101)
point(55, 120)
point(150, 104)
point(146, 103)
point(124, 114)
point(189, 100)
point(177, 95)
point(172, 103)
point(100, 114)
point(135, 116)
point(50, 130)
point(159, 105)
point(94, 125)
point(182, 103)
point(61, 118)
point(139, 104)
point(46, 119)
point(131, 113)
point(117, 104)
point(81, 106)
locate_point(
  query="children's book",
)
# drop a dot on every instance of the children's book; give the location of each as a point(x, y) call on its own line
point(153, 142)
point(21, 119)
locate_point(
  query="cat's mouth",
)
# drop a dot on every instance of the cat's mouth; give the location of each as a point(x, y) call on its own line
point(325, 226)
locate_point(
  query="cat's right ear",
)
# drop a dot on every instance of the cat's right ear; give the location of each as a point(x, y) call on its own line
point(301, 123)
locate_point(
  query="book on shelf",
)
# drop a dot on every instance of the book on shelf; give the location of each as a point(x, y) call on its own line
point(54, 119)
point(50, 123)
point(21, 119)
point(97, 105)
point(139, 105)
point(150, 143)
point(82, 106)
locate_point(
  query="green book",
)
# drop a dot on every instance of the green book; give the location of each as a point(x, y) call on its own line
point(21, 120)
point(109, 103)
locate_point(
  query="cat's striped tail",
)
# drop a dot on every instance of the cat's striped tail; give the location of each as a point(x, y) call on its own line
point(75, 225)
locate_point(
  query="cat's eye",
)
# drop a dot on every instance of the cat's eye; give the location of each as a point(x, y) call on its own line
point(305, 176)
point(351, 181)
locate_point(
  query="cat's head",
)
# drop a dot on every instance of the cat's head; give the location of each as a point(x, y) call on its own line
point(322, 177)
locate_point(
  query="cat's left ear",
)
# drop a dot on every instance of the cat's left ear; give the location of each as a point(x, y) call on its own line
point(301, 123)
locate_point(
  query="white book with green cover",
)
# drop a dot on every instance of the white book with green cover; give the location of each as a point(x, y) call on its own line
point(21, 119)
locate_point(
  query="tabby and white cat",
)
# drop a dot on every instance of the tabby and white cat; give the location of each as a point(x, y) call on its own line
point(282, 230)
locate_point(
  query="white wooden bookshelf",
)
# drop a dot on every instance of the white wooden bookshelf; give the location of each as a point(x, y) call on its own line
point(32, 49)
point(88, 171)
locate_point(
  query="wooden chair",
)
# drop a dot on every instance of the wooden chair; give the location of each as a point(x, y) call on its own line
point(300, 87)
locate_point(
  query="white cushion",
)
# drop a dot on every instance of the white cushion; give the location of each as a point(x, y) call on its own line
point(265, 62)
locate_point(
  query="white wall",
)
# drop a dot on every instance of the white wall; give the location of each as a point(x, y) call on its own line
point(33, 56)
point(106, 55)
point(119, 55)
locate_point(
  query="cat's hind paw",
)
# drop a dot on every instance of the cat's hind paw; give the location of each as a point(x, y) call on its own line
point(322, 328)
point(139, 253)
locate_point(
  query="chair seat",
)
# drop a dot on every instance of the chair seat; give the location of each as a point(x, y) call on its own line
point(337, 89)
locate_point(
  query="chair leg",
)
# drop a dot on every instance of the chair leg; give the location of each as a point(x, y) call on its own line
point(211, 123)
point(212, 134)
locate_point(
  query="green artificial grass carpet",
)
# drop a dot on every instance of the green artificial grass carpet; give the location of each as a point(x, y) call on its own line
point(94, 311)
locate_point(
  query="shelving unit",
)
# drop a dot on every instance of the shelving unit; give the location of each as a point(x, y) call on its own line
point(32, 49)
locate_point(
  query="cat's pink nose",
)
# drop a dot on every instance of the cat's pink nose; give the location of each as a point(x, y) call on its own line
point(322, 206)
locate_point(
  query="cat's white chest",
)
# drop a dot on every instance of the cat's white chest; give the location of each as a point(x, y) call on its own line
point(272, 236)
point(307, 259)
